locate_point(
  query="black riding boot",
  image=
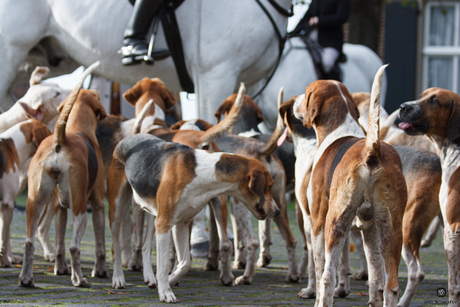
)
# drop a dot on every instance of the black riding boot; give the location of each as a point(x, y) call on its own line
point(135, 46)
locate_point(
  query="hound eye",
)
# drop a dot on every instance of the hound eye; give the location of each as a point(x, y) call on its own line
point(56, 95)
point(433, 101)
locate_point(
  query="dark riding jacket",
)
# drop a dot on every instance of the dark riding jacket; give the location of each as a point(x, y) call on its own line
point(332, 14)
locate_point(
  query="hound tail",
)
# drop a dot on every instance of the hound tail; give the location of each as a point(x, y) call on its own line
point(373, 138)
point(212, 133)
point(272, 143)
point(388, 123)
point(140, 117)
point(59, 136)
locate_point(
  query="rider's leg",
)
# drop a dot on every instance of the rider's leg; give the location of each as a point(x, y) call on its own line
point(135, 45)
point(329, 57)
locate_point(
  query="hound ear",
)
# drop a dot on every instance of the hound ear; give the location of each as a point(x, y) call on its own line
point(35, 131)
point(168, 99)
point(38, 74)
point(39, 133)
point(286, 109)
point(133, 94)
point(225, 107)
point(204, 125)
point(311, 110)
point(453, 126)
point(257, 183)
point(98, 108)
point(61, 105)
point(260, 116)
point(177, 125)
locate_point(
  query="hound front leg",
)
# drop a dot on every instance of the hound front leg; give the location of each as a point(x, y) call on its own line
point(282, 222)
point(452, 247)
point(252, 246)
point(164, 289)
point(79, 226)
point(265, 240)
point(415, 274)
point(44, 229)
point(181, 236)
point(149, 276)
point(237, 216)
point(219, 209)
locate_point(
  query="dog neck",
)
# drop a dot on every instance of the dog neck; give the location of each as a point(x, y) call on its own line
point(11, 117)
point(349, 127)
point(449, 154)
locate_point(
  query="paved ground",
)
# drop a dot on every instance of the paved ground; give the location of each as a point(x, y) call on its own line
point(198, 288)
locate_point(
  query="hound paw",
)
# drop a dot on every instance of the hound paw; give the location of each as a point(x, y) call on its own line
point(264, 261)
point(15, 259)
point(49, 257)
point(118, 282)
point(293, 278)
point(135, 263)
point(100, 272)
point(425, 243)
point(340, 292)
point(211, 265)
point(150, 281)
point(307, 293)
point(239, 265)
point(61, 270)
point(26, 281)
point(227, 280)
point(362, 275)
point(243, 280)
point(168, 296)
point(5, 263)
point(80, 282)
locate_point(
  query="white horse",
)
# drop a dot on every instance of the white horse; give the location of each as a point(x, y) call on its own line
point(296, 71)
point(225, 43)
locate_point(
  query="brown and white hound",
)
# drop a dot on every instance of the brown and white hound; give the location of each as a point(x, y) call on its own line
point(17, 146)
point(69, 161)
point(356, 181)
point(174, 182)
point(437, 115)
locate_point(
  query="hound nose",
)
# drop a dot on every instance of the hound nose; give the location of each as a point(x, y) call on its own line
point(277, 212)
point(405, 107)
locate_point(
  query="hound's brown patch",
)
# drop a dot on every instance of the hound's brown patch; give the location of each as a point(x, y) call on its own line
point(171, 187)
point(321, 180)
point(9, 159)
point(362, 101)
point(325, 107)
point(231, 168)
point(147, 89)
point(116, 177)
point(86, 111)
point(249, 109)
point(34, 131)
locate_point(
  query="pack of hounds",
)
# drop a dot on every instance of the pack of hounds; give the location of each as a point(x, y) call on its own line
point(352, 177)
